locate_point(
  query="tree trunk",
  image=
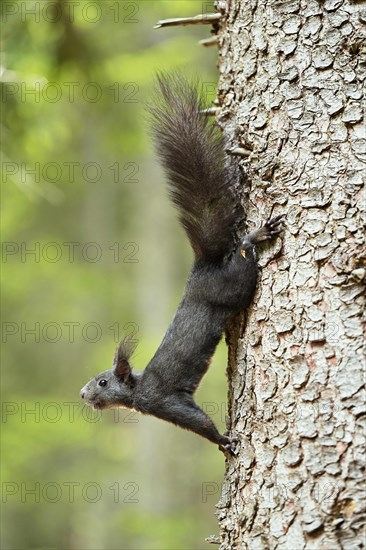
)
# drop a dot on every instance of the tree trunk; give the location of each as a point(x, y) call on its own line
point(291, 93)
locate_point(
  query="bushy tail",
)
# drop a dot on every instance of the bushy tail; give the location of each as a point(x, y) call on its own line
point(192, 153)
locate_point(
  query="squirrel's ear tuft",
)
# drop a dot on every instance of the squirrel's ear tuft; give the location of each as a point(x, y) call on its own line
point(121, 365)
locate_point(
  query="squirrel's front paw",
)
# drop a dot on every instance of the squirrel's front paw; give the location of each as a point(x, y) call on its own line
point(228, 444)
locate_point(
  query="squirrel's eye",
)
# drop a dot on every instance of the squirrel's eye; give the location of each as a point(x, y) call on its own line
point(102, 383)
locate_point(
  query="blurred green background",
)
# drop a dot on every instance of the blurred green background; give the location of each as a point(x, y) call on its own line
point(92, 251)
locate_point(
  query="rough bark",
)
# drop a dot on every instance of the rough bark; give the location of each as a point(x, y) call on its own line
point(291, 88)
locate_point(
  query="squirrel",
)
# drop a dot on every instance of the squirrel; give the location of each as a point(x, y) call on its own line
point(222, 281)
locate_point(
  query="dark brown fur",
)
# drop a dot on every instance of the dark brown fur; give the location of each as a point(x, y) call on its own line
point(222, 281)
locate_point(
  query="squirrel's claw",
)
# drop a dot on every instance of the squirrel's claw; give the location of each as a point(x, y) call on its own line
point(275, 223)
point(273, 227)
point(229, 445)
point(276, 220)
point(267, 232)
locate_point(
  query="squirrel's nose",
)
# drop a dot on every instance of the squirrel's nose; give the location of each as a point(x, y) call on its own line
point(82, 394)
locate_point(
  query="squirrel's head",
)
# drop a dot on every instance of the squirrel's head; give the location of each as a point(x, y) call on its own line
point(114, 387)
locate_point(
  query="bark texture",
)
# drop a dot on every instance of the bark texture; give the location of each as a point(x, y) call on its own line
point(291, 88)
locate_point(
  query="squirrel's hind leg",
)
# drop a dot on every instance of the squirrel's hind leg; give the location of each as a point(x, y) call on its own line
point(267, 232)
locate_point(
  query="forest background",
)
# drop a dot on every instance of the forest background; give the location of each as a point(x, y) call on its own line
point(92, 252)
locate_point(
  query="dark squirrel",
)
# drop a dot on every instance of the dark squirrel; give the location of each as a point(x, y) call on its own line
point(222, 281)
